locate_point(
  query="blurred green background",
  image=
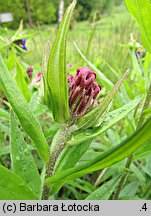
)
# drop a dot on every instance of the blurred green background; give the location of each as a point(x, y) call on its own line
point(101, 28)
point(46, 12)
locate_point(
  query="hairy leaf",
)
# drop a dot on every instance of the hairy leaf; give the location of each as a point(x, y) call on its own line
point(108, 158)
point(56, 72)
point(67, 159)
point(109, 120)
point(12, 187)
point(23, 112)
point(23, 163)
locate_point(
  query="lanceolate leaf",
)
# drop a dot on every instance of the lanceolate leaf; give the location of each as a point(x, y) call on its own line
point(141, 11)
point(108, 158)
point(23, 111)
point(67, 159)
point(12, 187)
point(71, 155)
point(56, 71)
point(4, 114)
point(20, 78)
point(6, 149)
point(23, 163)
point(90, 119)
point(109, 120)
point(143, 152)
point(105, 191)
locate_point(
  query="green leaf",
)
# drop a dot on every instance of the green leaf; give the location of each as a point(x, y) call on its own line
point(100, 76)
point(71, 155)
point(12, 187)
point(23, 112)
point(110, 157)
point(141, 11)
point(67, 159)
point(90, 119)
point(130, 190)
point(109, 120)
point(105, 191)
point(82, 185)
point(23, 163)
point(139, 174)
point(4, 114)
point(18, 32)
point(56, 71)
point(4, 128)
point(130, 198)
point(7, 149)
point(21, 82)
point(4, 150)
point(143, 152)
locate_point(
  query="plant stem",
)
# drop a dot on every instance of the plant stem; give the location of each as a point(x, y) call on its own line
point(147, 192)
point(56, 148)
point(129, 159)
point(99, 177)
point(146, 105)
point(123, 178)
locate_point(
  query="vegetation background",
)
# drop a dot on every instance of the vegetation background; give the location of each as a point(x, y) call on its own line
point(46, 12)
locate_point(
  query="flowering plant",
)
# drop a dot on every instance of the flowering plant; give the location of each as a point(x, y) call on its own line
point(80, 115)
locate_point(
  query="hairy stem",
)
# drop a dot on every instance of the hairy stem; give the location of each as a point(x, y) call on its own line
point(56, 148)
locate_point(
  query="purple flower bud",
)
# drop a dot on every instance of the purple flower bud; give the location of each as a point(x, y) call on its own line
point(37, 78)
point(70, 83)
point(83, 91)
point(29, 72)
point(69, 65)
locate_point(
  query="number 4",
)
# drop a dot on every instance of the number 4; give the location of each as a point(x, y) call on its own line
point(144, 207)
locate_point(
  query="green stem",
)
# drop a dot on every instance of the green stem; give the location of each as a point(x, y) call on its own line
point(129, 159)
point(123, 178)
point(56, 148)
point(146, 105)
point(147, 192)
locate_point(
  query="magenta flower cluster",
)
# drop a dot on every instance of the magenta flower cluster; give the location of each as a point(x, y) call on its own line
point(29, 72)
point(38, 77)
point(83, 91)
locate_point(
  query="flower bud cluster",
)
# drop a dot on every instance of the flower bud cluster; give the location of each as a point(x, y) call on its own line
point(83, 91)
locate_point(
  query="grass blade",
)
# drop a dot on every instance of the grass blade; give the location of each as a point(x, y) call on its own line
point(105, 191)
point(100, 76)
